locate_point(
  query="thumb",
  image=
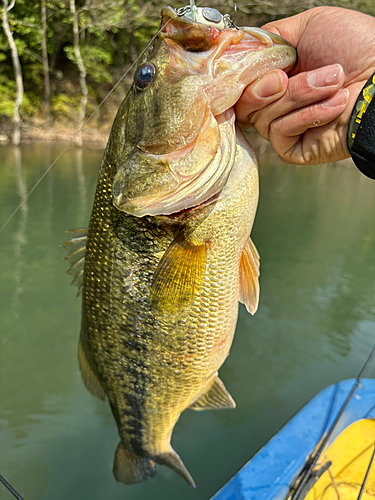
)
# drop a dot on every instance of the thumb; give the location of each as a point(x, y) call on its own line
point(259, 94)
point(291, 28)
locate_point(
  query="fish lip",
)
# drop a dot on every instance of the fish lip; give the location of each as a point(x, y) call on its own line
point(190, 34)
point(268, 37)
point(169, 14)
point(210, 33)
point(173, 216)
point(135, 208)
point(271, 39)
point(186, 211)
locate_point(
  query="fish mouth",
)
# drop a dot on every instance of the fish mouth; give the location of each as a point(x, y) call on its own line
point(230, 59)
point(198, 37)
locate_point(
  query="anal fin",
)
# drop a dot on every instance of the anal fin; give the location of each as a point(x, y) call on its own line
point(178, 275)
point(249, 277)
point(89, 378)
point(214, 398)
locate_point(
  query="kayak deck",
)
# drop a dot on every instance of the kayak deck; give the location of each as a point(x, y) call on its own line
point(269, 474)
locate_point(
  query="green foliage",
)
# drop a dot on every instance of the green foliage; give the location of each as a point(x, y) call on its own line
point(7, 97)
point(262, 11)
point(30, 104)
point(112, 35)
point(96, 61)
point(64, 105)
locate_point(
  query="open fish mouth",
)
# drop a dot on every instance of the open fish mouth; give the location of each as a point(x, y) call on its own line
point(197, 37)
point(226, 61)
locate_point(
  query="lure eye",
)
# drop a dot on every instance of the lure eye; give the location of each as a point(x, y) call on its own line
point(144, 75)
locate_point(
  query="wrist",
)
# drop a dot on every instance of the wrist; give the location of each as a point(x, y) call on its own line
point(361, 130)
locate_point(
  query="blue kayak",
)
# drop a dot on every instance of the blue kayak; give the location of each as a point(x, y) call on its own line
point(271, 472)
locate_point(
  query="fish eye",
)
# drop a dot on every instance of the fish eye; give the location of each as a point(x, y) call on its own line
point(144, 75)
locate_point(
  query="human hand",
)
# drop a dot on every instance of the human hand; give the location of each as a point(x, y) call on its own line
point(306, 117)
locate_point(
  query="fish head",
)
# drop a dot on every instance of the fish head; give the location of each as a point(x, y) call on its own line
point(177, 122)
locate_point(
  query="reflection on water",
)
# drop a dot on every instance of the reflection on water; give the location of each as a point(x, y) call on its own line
point(20, 238)
point(315, 325)
point(82, 188)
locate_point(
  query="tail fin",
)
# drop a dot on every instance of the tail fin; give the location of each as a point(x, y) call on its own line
point(130, 468)
point(173, 461)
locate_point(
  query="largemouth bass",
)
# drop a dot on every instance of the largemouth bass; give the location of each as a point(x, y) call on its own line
point(167, 255)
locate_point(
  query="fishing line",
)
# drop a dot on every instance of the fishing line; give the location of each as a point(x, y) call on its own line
point(10, 488)
point(94, 113)
point(366, 476)
point(80, 130)
point(306, 474)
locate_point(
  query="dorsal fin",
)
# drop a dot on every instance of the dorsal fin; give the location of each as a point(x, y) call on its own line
point(214, 398)
point(76, 248)
point(249, 274)
point(178, 275)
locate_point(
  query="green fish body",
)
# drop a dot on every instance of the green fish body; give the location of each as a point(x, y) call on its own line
point(167, 255)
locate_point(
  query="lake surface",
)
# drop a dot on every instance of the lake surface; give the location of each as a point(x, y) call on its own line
point(315, 325)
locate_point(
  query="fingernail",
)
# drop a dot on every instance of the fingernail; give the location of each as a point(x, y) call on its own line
point(269, 85)
point(341, 97)
point(324, 77)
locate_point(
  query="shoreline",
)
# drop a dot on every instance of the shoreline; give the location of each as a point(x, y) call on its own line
point(93, 136)
point(58, 133)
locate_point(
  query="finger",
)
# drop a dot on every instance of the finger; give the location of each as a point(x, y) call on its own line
point(315, 115)
point(290, 135)
point(324, 143)
point(260, 94)
point(303, 90)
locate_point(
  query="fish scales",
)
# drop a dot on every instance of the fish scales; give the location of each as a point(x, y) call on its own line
point(169, 343)
point(173, 355)
point(168, 255)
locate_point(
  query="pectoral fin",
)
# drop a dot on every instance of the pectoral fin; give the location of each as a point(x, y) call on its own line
point(179, 274)
point(249, 274)
point(89, 378)
point(215, 397)
point(76, 248)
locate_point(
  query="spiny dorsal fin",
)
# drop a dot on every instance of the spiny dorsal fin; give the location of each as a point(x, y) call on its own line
point(89, 378)
point(179, 274)
point(249, 274)
point(215, 398)
point(76, 248)
point(173, 461)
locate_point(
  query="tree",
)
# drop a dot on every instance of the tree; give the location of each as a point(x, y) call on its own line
point(82, 71)
point(47, 84)
point(17, 124)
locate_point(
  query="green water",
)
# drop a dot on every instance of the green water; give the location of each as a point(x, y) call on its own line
point(315, 325)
